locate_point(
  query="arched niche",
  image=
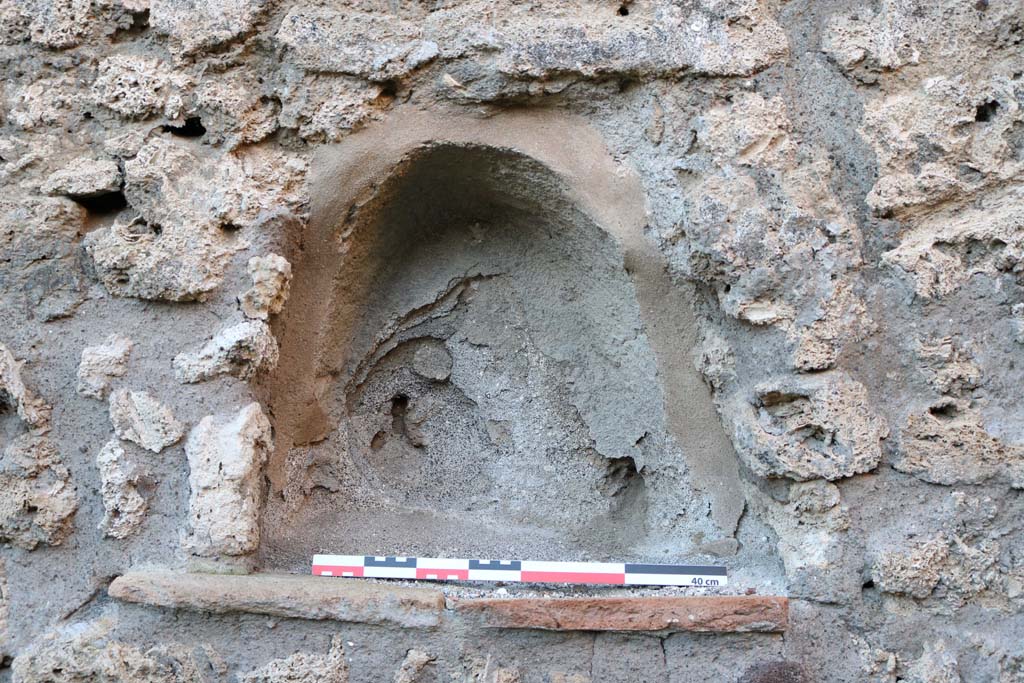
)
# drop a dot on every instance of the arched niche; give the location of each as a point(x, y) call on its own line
point(482, 356)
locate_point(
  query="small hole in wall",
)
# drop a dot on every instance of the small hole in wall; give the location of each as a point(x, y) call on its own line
point(868, 585)
point(103, 205)
point(946, 410)
point(192, 128)
point(986, 111)
point(140, 20)
point(623, 11)
point(230, 226)
point(389, 89)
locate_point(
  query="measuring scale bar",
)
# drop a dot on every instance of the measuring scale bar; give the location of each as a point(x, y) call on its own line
point(518, 571)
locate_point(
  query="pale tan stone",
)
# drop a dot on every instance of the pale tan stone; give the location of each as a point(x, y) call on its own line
point(304, 667)
point(84, 177)
point(125, 509)
point(139, 417)
point(271, 276)
point(807, 428)
point(38, 502)
point(101, 363)
point(225, 458)
point(13, 393)
point(241, 350)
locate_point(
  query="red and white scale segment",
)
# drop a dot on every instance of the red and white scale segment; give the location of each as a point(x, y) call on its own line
point(522, 571)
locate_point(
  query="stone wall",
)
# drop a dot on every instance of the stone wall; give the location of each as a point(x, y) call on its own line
point(725, 281)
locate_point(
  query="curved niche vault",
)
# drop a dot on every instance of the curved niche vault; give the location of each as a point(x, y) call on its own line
point(472, 362)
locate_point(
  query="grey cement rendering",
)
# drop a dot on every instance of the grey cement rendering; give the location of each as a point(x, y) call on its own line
point(723, 281)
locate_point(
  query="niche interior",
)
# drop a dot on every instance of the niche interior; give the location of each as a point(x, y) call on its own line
point(467, 370)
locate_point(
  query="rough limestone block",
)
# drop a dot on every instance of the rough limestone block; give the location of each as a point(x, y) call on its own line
point(241, 350)
point(225, 458)
point(949, 444)
point(38, 500)
point(271, 276)
point(141, 419)
point(89, 652)
point(821, 427)
point(84, 178)
point(31, 409)
point(298, 597)
point(711, 614)
point(101, 363)
point(304, 667)
point(197, 25)
point(125, 509)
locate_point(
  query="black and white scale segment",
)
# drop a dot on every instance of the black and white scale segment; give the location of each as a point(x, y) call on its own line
point(521, 571)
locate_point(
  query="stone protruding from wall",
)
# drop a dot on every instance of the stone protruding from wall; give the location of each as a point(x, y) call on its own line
point(226, 458)
point(414, 663)
point(192, 215)
point(304, 667)
point(809, 428)
point(32, 410)
point(271, 277)
point(140, 418)
point(125, 508)
point(288, 596)
point(85, 178)
point(241, 350)
point(101, 363)
point(38, 500)
point(88, 652)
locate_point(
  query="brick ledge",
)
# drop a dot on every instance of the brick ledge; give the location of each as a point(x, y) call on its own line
point(319, 598)
point(704, 613)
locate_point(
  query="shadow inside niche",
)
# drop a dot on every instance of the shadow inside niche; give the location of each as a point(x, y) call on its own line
point(488, 389)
